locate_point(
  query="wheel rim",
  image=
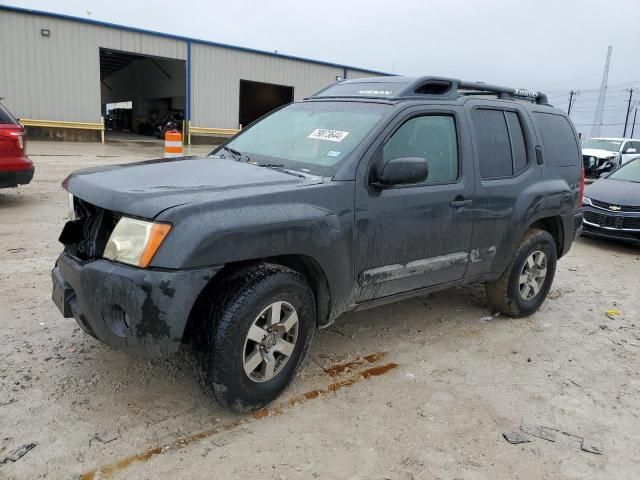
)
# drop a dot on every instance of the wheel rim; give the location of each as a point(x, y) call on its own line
point(533, 274)
point(270, 342)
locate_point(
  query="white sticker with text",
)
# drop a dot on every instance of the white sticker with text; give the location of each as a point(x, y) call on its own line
point(326, 134)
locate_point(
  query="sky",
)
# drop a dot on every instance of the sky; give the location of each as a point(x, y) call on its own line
point(549, 45)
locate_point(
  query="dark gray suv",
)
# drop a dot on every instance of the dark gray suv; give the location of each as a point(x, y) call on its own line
point(371, 191)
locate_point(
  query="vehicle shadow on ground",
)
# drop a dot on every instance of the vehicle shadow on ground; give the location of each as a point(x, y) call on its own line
point(115, 380)
point(611, 245)
point(13, 198)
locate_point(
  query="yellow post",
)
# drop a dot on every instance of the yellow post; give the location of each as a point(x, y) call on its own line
point(189, 134)
point(102, 131)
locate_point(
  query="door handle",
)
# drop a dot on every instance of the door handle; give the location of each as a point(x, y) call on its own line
point(461, 203)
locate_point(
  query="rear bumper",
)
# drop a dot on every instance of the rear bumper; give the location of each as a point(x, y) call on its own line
point(140, 311)
point(16, 177)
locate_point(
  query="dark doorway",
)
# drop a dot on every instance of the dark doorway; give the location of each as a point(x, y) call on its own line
point(141, 94)
point(257, 99)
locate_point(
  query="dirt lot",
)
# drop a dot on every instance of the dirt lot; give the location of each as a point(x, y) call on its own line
point(420, 389)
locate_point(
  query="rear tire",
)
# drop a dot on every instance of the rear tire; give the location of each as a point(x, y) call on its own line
point(253, 336)
point(525, 283)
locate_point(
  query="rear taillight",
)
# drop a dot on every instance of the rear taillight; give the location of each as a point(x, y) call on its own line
point(19, 139)
point(15, 134)
point(579, 200)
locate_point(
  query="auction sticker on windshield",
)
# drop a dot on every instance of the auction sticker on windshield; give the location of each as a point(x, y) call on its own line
point(330, 135)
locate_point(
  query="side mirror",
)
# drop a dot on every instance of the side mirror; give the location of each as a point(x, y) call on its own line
point(629, 150)
point(403, 171)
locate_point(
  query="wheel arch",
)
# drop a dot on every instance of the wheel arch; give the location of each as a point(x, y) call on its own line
point(552, 225)
point(307, 266)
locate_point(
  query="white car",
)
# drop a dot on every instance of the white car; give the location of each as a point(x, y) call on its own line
point(620, 149)
point(602, 155)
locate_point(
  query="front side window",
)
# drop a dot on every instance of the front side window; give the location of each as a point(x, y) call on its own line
point(431, 137)
point(312, 137)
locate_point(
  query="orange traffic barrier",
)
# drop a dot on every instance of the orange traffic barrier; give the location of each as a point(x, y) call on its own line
point(172, 144)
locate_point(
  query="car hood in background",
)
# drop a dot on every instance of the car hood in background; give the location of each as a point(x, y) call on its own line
point(595, 152)
point(146, 189)
point(616, 192)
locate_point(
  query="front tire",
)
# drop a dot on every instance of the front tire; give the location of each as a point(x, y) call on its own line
point(525, 283)
point(254, 335)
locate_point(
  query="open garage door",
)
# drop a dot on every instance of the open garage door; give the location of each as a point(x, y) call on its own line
point(258, 99)
point(141, 94)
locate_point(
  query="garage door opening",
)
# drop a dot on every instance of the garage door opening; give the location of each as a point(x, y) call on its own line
point(152, 87)
point(258, 99)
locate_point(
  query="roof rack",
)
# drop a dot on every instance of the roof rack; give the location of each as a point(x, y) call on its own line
point(440, 87)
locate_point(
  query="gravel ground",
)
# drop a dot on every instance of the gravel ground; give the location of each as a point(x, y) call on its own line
point(420, 389)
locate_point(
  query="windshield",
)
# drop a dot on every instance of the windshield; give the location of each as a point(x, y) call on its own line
point(312, 137)
point(602, 144)
point(629, 172)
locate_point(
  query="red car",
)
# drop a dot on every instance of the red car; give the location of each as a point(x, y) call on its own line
point(15, 167)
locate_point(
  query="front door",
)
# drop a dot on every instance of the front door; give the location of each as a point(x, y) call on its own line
point(630, 150)
point(414, 236)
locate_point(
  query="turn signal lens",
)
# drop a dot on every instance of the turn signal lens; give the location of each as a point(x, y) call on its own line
point(156, 236)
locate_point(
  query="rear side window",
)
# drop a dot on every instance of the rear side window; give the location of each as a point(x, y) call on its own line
point(5, 116)
point(501, 146)
point(558, 140)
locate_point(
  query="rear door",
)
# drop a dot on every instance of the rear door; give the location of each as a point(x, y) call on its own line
point(507, 173)
point(413, 236)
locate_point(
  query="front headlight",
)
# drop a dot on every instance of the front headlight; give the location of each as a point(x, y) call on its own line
point(135, 242)
point(586, 200)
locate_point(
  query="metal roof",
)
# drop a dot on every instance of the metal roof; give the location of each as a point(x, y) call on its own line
point(183, 38)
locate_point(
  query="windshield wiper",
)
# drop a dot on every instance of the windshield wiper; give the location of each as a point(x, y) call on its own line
point(280, 168)
point(237, 155)
point(270, 165)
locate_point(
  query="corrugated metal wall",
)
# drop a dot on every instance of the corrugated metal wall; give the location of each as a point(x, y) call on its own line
point(58, 77)
point(216, 75)
point(353, 73)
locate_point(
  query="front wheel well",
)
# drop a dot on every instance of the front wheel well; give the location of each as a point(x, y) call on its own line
point(305, 265)
point(553, 225)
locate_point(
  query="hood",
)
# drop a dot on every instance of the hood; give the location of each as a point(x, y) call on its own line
point(596, 152)
point(616, 192)
point(146, 189)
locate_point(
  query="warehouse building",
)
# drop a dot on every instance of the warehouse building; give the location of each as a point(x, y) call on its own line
point(68, 78)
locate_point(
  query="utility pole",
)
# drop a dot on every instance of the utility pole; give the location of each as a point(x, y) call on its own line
point(626, 119)
point(570, 102)
point(572, 95)
point(597, 118)
point(633, 126)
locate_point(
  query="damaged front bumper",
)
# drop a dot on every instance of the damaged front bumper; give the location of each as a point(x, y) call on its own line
point(141, 311)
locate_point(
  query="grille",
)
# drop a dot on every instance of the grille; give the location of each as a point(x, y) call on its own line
point(612, 221)
point(623, 208)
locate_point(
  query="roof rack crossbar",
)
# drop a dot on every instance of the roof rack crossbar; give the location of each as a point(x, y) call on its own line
point(437, 87)
point(538, 97)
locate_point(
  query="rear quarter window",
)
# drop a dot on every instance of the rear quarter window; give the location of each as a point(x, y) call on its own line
point(6, 117)
point(558, 140)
